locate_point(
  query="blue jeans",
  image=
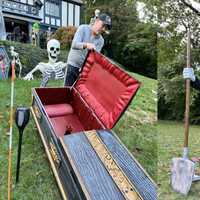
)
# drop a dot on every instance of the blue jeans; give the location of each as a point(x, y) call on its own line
point(71, 75)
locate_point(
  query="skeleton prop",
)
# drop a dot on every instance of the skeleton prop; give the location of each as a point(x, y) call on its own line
point(15, 57)
point(52, 69)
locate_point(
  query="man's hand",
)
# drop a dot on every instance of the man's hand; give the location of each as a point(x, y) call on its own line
point(188, 73)
point(89, 46)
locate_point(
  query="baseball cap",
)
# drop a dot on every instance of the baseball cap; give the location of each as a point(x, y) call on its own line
point(106, 19)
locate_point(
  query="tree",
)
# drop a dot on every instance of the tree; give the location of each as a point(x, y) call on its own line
point(174, 18)
point(140, 52)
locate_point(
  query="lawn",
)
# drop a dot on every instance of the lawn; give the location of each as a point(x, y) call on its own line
point(170, 142)
point(137, 129)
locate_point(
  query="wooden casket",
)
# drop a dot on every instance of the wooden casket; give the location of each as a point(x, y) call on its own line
point(87, 158)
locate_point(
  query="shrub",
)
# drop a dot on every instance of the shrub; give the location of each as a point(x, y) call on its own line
point(139, 53)
point(65, 36)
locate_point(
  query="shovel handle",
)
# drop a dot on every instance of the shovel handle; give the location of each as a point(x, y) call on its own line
point(13, 70)
point(187, 99)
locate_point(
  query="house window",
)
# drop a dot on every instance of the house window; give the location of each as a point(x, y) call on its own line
point(52, 8)
point(47, 21)
point(57, 22)
point(53, 21)
point(71, 14)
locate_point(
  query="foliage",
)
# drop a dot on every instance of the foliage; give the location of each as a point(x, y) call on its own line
point(140, 51)
point(170, 92)
point(65, 36)
point(29, 55)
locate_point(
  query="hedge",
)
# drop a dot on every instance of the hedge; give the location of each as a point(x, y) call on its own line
point(30, 55)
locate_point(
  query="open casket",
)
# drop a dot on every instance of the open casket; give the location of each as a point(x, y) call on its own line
point(87, 158)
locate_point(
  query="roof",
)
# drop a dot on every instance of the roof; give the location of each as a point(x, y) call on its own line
point(75, 1)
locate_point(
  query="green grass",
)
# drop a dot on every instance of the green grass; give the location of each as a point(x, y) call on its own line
point(136, 129)
point(170, 142)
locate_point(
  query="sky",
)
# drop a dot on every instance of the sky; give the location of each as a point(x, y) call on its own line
point(195, 4)
point(143, 13)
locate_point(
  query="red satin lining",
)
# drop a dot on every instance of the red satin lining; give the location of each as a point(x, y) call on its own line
point(106, 88)
point(57, 110)
point(62, 118)
point(60, 123)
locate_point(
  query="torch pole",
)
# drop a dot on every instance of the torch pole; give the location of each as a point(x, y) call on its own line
point(10, 133)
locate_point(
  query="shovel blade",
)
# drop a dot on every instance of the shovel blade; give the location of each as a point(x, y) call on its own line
point(182, 172)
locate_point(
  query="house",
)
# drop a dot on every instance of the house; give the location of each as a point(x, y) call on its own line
point(20, 15)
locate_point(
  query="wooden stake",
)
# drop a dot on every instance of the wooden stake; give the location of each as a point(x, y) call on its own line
point(187, 100)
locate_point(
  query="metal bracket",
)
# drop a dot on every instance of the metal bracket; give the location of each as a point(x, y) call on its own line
point(196, 178)
point(54, 154)
point(37, 112)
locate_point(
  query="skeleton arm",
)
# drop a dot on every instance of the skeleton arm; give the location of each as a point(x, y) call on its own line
point(41, 67)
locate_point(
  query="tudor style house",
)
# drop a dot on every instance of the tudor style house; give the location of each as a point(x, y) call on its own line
point(20, 15)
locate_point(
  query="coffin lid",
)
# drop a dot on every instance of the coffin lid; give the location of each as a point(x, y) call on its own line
point(106, 88)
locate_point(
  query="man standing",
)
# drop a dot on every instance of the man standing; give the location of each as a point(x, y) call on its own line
point(188, 73)
point(87, 37)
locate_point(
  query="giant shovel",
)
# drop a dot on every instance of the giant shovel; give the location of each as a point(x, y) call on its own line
point(182, 169)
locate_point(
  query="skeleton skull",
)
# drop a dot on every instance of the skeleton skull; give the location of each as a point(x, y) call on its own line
point(53, 49)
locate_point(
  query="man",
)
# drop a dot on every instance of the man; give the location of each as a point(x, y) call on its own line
point(188, 73)
point(87, 37)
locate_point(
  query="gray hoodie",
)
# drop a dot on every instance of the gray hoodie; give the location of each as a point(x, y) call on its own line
point(83, 35)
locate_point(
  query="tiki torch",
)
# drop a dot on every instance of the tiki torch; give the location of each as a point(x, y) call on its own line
point(21, 118)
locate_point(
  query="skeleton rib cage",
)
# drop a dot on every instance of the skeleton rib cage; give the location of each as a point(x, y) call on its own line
point(52, 73)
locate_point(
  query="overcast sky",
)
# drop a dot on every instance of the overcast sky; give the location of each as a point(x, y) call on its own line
point(195, 4)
